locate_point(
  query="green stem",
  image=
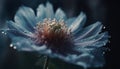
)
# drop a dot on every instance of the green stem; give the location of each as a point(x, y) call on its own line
point(46, 63)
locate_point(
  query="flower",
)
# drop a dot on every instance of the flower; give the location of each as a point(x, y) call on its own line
point(55, 35)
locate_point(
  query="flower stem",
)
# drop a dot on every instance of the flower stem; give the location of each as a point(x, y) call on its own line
point(46, 62)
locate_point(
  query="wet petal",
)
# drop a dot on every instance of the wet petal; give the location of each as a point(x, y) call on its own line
point(60, 14)
point(78, 24)
point(26, 18)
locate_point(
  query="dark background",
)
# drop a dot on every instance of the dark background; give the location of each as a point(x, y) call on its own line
point(105, 11)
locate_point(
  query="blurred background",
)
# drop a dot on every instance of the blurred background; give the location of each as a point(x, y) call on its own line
point(96, 10)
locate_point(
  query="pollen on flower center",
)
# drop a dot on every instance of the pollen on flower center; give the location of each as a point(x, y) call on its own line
point(53, 33)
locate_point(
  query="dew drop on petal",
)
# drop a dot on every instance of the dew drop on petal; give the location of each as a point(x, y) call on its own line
point(104, 27)
point(14, 47)
point(3, 32)
point(103, 52)
point(11, 45)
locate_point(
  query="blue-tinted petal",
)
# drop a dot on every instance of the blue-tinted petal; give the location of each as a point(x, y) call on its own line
point(78, 24)
point(26, 18)
point(60, 14)
point(14, 33)
point(26, 44)
point(90, 60)
point(84, 59)
point(41, 14)
point(91, 30)
point(98, 60)
point(49, 10)
point(98, 41)
point(91, 57)
point(16, 27)
point(70, 21)
point(101, 42)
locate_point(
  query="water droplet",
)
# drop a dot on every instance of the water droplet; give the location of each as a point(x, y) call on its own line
point(3, 32)
point(11, 45)
point(104, 27)
point(103, 52)
point(14, 47)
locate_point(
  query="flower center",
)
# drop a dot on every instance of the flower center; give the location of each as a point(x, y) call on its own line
point(53, 33)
